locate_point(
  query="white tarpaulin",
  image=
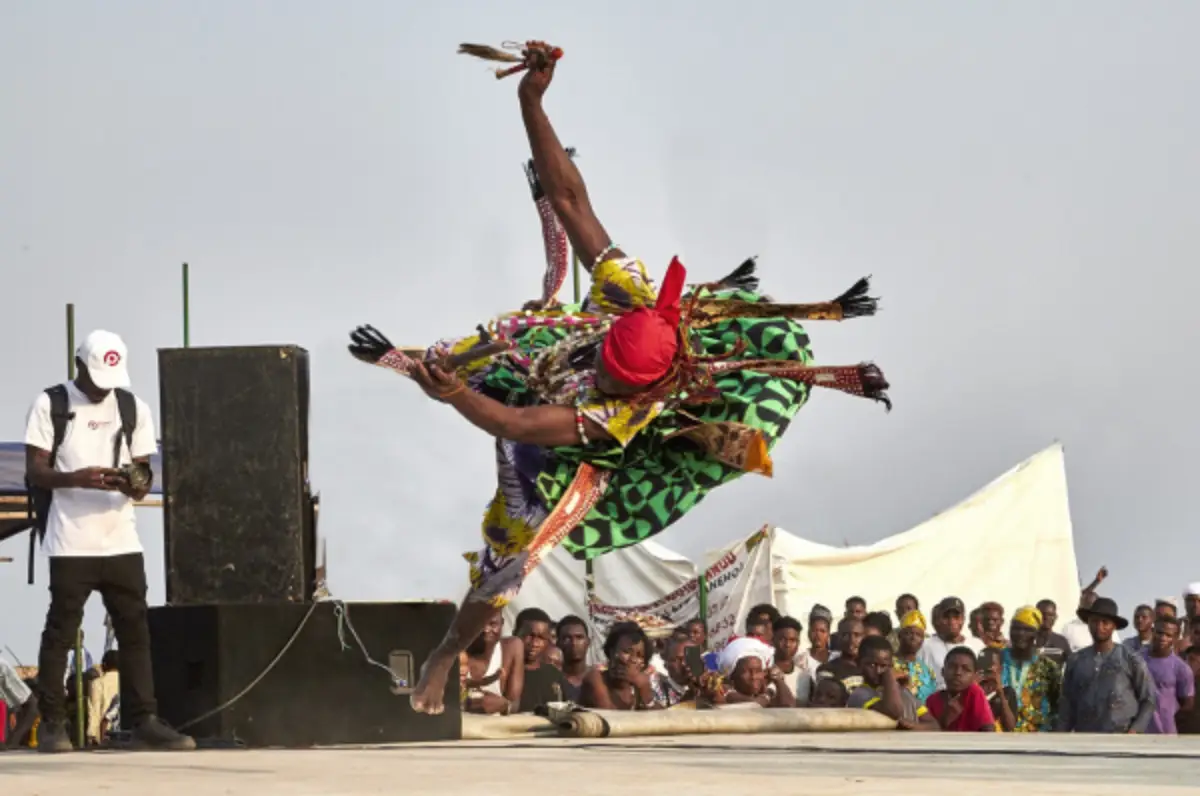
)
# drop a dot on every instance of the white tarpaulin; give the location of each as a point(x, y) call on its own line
point(1010, 542)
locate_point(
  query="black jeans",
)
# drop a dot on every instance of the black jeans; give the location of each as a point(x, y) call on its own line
point(121, 581)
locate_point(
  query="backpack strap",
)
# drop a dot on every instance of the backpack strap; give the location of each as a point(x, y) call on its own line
point(60, 416)
point(38, 499)
point(127, 407)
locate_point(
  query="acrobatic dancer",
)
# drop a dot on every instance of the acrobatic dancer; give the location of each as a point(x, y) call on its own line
point(614, 418)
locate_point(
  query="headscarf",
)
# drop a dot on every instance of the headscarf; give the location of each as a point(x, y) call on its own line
point(641, 345)
point(1029, 616)
point(743, 647)
point(913, 618)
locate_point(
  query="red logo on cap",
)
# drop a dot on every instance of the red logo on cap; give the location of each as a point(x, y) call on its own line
point(112, 359)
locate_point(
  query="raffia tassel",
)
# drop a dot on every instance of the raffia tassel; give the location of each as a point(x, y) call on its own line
point(489, 53)
point(743, 277)
point(855, 302)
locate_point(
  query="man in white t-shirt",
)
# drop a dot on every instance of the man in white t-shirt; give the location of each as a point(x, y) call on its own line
point(948, 617)
point(99, 468)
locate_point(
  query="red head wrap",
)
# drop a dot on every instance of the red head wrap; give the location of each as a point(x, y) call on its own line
point(641, 345)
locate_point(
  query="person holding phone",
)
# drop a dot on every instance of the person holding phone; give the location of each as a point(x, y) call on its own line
point(84, 453)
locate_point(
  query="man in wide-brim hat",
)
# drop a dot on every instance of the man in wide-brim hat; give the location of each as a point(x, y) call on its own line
point(1106, 687)
point(1103, 608)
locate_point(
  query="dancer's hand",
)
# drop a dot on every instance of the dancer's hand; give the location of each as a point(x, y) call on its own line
point(437, 383)
point(537, 77)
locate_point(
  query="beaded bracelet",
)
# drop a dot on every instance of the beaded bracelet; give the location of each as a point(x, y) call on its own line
point(583, 438)
point(609, 249)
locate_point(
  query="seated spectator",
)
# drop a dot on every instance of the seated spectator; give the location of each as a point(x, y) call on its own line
point(21, 702)
point(880, 690)
point(760, 622)
point(1143, 629)
point(1053, 645)
point(749, 676)
point(1187, 722)
point(548, 637)
point(574, 641)
point(1033, 674)
point(820, 623)
point(961, 706)
point(1174, 683)
point(797, 669)
point(845, 666)
point(828, 693)
point(544, 682)
point(856, 608)
point(1002, 699)
point(624, 682)
point(104, 700)
point(948, 618)
point(993, 625)
point(493, 671)
point(678, 683)
point(878, 623)
point(917, 677)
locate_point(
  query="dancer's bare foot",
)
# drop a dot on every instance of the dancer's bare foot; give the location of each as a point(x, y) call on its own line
point(429, 695)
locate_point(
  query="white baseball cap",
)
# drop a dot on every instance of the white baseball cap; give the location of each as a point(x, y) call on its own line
point(1192, 589)
point(104, 355)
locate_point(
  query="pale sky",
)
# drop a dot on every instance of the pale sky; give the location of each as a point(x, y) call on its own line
point(1020, 178)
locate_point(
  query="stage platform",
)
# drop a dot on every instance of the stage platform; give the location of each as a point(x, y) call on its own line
point(875, 763)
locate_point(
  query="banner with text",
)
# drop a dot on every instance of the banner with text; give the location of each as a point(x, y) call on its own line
point(738, 579)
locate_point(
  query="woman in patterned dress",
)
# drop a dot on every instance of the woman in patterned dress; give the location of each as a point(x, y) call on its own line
point(614, 418)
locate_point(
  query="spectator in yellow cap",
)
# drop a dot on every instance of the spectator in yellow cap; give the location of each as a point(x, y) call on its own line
point(1035, 678)
point(915, 673)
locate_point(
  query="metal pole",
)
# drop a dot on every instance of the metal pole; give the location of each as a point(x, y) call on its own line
point(186, 315)
point(71, 342)
point(575, 271)
point(79, 704)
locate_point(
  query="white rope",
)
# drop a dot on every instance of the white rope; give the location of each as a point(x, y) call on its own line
point(342, 612)
point(343, 619)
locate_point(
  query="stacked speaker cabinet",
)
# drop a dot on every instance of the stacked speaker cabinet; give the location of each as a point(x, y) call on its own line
point(241, 652)
point(238, 524)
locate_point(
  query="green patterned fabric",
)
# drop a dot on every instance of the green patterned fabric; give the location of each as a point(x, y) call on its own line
point(656, 481)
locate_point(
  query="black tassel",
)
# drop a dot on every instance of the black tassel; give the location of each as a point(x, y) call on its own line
point(535, 185)
point(484, 336)
point(874, 384)
point(743, 277)
point(855, 302)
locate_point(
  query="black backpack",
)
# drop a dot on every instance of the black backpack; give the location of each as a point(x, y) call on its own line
point(60, 416)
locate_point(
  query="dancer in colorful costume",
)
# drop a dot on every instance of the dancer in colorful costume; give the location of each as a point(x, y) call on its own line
point(614, 418)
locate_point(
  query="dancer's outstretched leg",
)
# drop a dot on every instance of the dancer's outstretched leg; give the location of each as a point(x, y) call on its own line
point(429, 695)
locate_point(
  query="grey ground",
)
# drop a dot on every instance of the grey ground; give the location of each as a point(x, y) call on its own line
point(875, 763)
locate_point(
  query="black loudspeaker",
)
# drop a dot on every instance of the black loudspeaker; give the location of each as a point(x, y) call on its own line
point(317, 693)
point(239, 520)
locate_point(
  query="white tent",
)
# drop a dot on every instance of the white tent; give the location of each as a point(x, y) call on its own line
point(1010, 542)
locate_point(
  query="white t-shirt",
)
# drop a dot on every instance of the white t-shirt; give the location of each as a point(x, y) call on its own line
point(934, 649)
point(90, 522)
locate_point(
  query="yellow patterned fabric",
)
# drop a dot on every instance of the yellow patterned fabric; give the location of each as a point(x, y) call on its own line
point(913, 619)
point(619, 286)
point(1028, 616)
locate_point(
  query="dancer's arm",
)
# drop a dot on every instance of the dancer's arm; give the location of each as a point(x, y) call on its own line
point(545, 426)
point(561, 180)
